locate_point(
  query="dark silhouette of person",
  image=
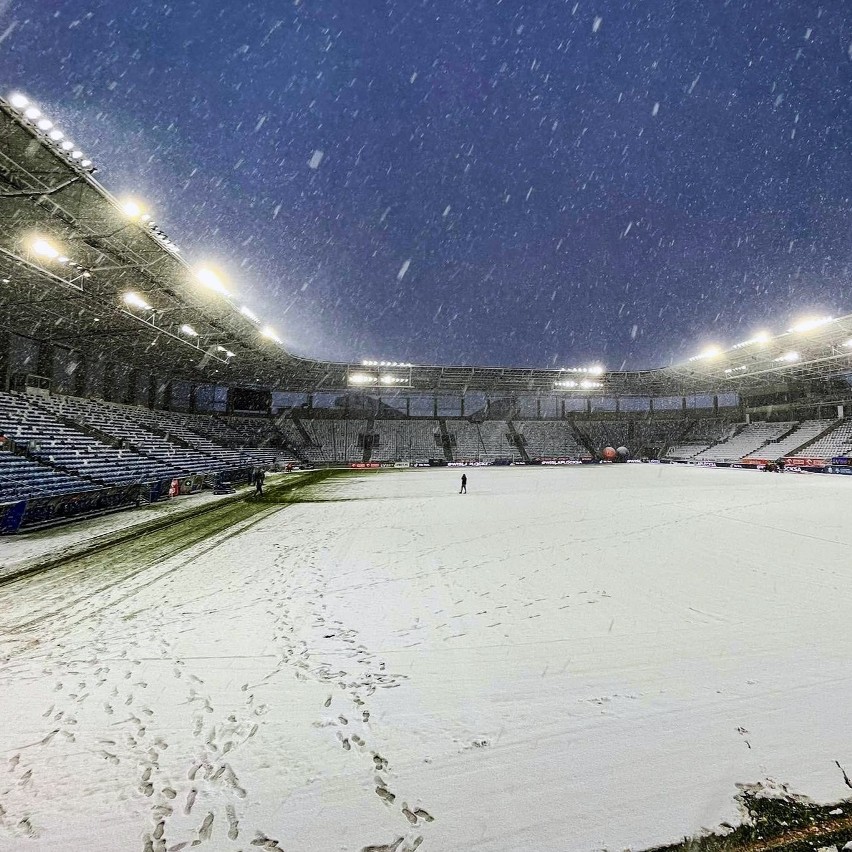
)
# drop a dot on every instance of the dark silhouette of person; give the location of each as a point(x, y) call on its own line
point(258, 482)
point(463, 489)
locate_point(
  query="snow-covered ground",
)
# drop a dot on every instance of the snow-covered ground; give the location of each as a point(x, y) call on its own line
point(562, 659)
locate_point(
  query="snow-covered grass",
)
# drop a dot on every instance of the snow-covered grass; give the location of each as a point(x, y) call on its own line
point(562, 659)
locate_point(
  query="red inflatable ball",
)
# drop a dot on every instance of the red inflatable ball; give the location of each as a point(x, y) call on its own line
point(609, 453)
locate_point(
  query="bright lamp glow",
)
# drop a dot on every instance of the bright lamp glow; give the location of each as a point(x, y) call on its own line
point(189, 331)
point(789, 357)
point(56, 135)
point(18, 100)
point(66, 145)
point(709, 352)
point(210, 279)
point(76, 155)
point(44, 124)
point(361, 379)
point(809, 323)
point(596, 370)
point(761, 337)
point(85, 163)
point(43, 248)
point(136, 301)
point(266, 331)
point(32, 113)
point(132, 209)
point(227, 352)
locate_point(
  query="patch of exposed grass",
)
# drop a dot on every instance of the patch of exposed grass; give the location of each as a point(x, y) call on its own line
point(776, 820)
point(139, 546)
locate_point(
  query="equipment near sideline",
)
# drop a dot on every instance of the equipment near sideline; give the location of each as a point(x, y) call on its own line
point(224, 486)
point(609, 454)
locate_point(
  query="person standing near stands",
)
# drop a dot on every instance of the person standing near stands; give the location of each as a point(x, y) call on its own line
point(463, 489)
point(258, 482)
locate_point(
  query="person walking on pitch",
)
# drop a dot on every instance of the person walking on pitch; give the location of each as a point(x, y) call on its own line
point(463, 489)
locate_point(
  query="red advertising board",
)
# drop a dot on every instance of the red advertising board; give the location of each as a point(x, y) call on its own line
point(804, 461)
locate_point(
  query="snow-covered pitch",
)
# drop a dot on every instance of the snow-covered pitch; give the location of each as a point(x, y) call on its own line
point(562, 659)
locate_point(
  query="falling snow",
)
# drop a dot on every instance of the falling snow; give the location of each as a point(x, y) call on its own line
point(716, 137)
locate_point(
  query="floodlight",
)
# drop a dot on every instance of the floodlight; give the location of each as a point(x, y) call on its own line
point(43, 248)
point(32, 113)
point(44, 124)
point(56, 135)
point(246, 312)
point(266, 331)
point(76, 155)
point(210, 279)
point(789, 357)
point(66, 145)
point(136, 301)
point(810, 323)
point(189, 331)
point(760, 337)
point(596, 370)
point(18, 100)
point(709, 352)
point(362, 379)
point(131, 209)
point(85, 163)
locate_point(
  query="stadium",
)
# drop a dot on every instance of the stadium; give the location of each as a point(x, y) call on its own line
point(586, 651)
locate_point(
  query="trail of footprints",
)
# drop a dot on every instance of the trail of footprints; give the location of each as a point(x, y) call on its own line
point(211, 787)
point(359, 680)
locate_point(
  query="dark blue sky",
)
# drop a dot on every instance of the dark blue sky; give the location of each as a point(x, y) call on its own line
point(569, 181)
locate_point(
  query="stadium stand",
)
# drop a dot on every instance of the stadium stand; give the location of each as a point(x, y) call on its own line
point(702, 436)
point(22, 478)
point(838, 442)
point(124, 424)
point(548, 439)
point(54, 442)
point(746, 439)
point(468, 445)
point(394, 442)
point(495, 442)
point(425, 440)
point(802, 435)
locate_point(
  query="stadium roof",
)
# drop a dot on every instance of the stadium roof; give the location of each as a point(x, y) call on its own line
point(84, 271)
